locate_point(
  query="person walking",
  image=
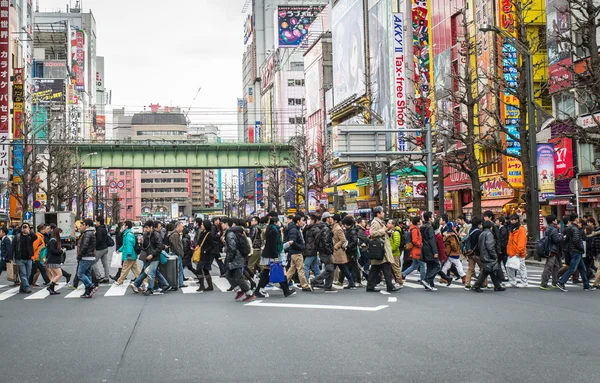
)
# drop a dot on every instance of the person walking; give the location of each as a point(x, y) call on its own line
point(379, 232)
point(452, 249)
point(118, 243)
point(397, 249)
point(5, 249)
point(101, 251)
point(128, 254)
point(574, 246)
point(325, 250)
point(517, 247)
point(55, 253)
point(555, 241)
point(23, 252)
point(311, 260)
point(152, 246)
point(273, 248)
point(37, 266)
point(235, 260)
point(176, 247)
point(86, 257)
point(429, 252)
point(472, 254)
point(208, 249)
point(340, 244)
point(256, 237)
point(487, 253)
point(188, 251)
point(295, 249)
point(352, 250)
point(415, 248)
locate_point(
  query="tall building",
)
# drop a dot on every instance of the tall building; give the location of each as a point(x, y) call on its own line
point(166, 193)
point(203, 182)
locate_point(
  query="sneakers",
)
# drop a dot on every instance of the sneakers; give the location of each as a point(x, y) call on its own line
point(148, 292)
point(292, 292)
point(468, 287)
point(165, 289)
point(249, 298)
point(331, 290)
point(261, 295)
point(433, 288)
point(350, 287)
point(87, 293)
point(545, 287)
point(239, 295)
point(116, 284)
point(338, 283)
point(71, 287)
point(427, 287)
point(593, 288)
point(134, 288)
point(307, 289)
point(561, 287)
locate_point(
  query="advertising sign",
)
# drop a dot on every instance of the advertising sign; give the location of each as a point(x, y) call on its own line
point(267, 72)
point(293, 23)
point(546, 175)
point(4, 67)
point(442, 70)
point(558, 27)
point(174, 210)
point(259, 186)
point(242, 183)
point(395, 191)
point(380, 56)
point(248, 28)
point(47, 90)
point(421, 48)
point(484, 14)
point(313, 203)
point(290, 190)
point(496, 188)
point(563, 158)
point(347, 20)
point(590, 184)
point(4, 155)
point(100, 127)
point(257, 132)
point(455, 179)
point(343, 175)
point(510, 62)
point(78, 58)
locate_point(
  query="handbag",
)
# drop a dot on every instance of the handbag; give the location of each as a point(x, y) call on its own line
point(10, 271)
point(513, 263)
point(277, 274)
point(164, 258)
point(63, 257)
point(198, 251)
point(115, 262)
point(376, 250)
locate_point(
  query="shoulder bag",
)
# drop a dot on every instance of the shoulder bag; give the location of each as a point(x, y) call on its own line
point(376, 250)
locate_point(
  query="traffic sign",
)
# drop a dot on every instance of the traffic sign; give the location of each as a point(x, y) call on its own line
point(112, 184)
point(37, 204)
point(121, 184)
point(27, 215)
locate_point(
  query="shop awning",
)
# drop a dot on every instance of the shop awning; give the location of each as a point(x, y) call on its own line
point(490, 204)
point(351, 186)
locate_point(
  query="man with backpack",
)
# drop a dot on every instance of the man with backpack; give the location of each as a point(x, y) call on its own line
point(470, 249)
point(237, 249)
point(255, 236)
point(103, 242)
point(550, 247)
point(574, 246)
point(414, 246)
point(295, 249)
point(313, 234)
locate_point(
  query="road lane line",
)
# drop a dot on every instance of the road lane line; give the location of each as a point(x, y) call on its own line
point(322, 307)
point(390, 299)
point(43, 293)
point(117, 291)
point(76, 293)
point(221, 284)
point(9, 293)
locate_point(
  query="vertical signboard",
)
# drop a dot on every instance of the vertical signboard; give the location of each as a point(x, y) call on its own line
point(293, 22)
point(4, 90)
point(259, 187)
point(510, 62)
point(546, 175)
point(78, 58)
point(563, 158)
point(399, 79)
point(421, 48)
point(242, 183)
point(18, 100)
point(558, 29)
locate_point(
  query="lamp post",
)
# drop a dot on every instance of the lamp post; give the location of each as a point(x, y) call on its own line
point(80, 196)
point(533, 180)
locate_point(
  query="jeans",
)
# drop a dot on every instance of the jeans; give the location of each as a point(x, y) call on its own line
point(432, 269)
point(312, 263)
point(84, 272)
point(181, 281)
point(416, 264)
point(24, 273)
point(346, 271)
point(576, 264)
point(150, 270)
point(326, 276)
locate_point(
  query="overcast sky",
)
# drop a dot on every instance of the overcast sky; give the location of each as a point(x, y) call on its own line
point(158, 51)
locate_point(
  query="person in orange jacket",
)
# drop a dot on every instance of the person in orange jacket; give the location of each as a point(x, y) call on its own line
point(38, 267)
point(517, 247)
point(415, 244)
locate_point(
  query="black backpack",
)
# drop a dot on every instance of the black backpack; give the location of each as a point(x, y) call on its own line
point(242, 244)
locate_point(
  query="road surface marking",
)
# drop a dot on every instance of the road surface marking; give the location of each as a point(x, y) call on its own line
point(2, 286)
point(43, 293)
point(117, 291)
point(9, 293)
point(390, 299)
point(322, 307)
point(77, 293)
point(221, 284)
point(384, 292)
point(191, 289)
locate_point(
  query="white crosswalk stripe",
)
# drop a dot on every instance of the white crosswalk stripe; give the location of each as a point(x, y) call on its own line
point(75, 294)
point(9, 293)
point(43, 293)
point(117, 291)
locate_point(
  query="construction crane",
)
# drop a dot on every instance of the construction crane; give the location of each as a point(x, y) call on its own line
point(191, 105)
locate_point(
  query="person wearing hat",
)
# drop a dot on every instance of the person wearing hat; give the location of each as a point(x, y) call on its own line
point(325, 250)
point(379, 232)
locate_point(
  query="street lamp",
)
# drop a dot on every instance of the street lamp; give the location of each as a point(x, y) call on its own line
point(533, 179)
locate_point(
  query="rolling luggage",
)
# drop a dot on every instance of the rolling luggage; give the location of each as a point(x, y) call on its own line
point(170, 270)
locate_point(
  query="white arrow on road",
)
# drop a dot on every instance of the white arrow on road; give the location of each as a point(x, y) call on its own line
point(322, 307)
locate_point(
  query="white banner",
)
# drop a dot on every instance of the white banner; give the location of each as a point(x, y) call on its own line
point(399, 78)
point(4, 155)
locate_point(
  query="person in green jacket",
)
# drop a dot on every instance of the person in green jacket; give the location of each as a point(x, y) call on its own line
point(128, 254)
point(395, 233)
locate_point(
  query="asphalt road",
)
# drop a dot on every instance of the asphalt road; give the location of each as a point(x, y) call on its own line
point(521, 335)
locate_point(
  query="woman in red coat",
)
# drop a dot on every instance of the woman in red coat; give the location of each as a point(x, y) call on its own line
point(439, 239)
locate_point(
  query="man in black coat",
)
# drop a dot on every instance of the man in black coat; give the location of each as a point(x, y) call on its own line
point(23, 252)
point(101, 251)
point(152, 246)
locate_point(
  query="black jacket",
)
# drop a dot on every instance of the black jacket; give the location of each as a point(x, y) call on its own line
point(503, 241)
point(295, 235)
point(152, 245)
point(474, 239)
point(325, 243)
point(574, 243)
point(54, 253)
point(23, 247)
point(101, 238)
point(310, 238)
point(216, 234)
point(352, 238)
point(429, 247)
point(234, 258)
point(6, 249)
point(270, 250)
point(87, 245)
point(118, 237)
point(186, 242)
point(487, 246)
point(555, 239)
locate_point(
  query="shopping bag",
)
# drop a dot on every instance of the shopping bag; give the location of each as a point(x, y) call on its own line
point(277, 274)
point(513, 263)
point(115, 262)
point(10, 271)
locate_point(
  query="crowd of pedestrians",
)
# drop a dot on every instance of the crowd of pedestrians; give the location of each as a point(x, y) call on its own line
point(314, 251)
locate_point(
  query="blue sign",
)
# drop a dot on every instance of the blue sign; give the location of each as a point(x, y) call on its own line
point(27, 215)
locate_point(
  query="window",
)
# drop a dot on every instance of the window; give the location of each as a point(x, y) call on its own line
point(290, 82)
point(299, 82)
point(292, 120)
point(128, 182)
point(122, 173)
point(565, 105)
point(299, 101)
point(291, 101)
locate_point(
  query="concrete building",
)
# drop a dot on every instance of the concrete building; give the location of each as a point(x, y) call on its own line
point(121, 125)
point(203, 182)
point(165, 193)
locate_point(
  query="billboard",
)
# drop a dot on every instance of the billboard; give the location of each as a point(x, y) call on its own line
point(78, 58)
point(379, 52)
point(47, 90)
point(293, 23)
point(422, 70)
point(4, 66)
point(259, 186)
point(563, 158)
point(267, 72)
point(546, 175)
point(399, 117)
point(248, 28)
point(348, 31)
point(442, 74)
point(558, 27)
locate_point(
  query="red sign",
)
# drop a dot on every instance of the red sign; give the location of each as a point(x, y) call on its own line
point(559, 201)
point(559, 76)
point(455, 179)
point(251, 134)
point(563, 158)
point(4, 67)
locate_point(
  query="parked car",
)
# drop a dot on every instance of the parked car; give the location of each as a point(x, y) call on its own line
point(137, 230)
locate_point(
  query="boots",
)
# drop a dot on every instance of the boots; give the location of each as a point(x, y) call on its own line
point(52, 289)
point(67, 276)
point(209, 283)
point(464, 280)
point(200, 284)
